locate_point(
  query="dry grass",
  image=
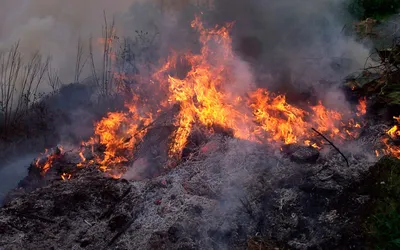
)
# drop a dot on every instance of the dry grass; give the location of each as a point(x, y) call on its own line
point(19, 84)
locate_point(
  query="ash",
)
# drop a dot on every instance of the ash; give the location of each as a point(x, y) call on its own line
point(225, 193)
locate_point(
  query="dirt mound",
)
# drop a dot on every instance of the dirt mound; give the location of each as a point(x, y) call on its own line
point(231, 190)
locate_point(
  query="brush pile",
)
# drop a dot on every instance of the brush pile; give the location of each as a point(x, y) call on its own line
point(202, 165)
point(227, 191)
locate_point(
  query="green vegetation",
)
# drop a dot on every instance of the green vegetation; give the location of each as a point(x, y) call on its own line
point(380, 77)
point(384, 221)
point(377, 9)
point(394, 97)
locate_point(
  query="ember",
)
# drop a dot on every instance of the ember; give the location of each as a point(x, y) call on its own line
point(66, 176)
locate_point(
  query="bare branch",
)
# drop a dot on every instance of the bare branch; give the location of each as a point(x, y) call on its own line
point(333, 145)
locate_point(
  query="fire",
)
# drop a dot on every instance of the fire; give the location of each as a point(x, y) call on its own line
point(362, 107)
point(393, 132)
point(311, 144)
point(392, 141)
point(327, 121)
point(46, 160)
point(83, 159)
point(66, 176)
point(205, 97)
point(119, 132)
point(281, 120)
point(290, 124)
point(201, 94)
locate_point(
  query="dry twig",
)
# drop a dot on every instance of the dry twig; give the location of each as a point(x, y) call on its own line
point(112, 207)
point(347, 162)
point(123, 230)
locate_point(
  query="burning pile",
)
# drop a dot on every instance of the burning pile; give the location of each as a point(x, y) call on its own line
point(391, 141)
point(207, 99)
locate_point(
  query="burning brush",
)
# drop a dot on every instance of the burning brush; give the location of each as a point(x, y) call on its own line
point(45, 161)
point(391, 141)
point(205, 101)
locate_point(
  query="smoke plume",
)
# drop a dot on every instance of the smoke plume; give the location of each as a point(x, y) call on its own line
point(54, 27)
point(299, 44)
point(288, 46)
point(302, 41)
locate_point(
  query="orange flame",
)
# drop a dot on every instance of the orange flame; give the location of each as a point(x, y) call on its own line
point(311, 144)
point(391, 148)
point(393, 132)
point(50, 158)
point(119, 132)
point(82, 157)
point(66, 176)
point(205, 96)
point(200, 94)
point(362, 107)
point(278, 118)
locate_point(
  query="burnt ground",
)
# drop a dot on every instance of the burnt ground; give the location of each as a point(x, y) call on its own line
point(229, 194)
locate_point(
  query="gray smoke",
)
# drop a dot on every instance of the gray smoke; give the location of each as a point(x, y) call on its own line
point(53, 27)
point(299, 43)
point(13, 172)
point(302, 40)
point(287, 46)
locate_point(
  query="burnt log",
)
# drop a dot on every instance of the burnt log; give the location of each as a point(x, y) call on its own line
point(301, 154)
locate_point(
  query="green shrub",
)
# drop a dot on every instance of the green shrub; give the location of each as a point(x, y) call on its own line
point(377, 9)
point(386, 227)
point(384, 222)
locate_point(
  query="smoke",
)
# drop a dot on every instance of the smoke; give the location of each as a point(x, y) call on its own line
point(12, 173)
point(54, 27)
point(138, 170)
point(302, 41)
point(286, 46)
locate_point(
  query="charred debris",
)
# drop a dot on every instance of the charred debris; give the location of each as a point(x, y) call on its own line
point(225, 193)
